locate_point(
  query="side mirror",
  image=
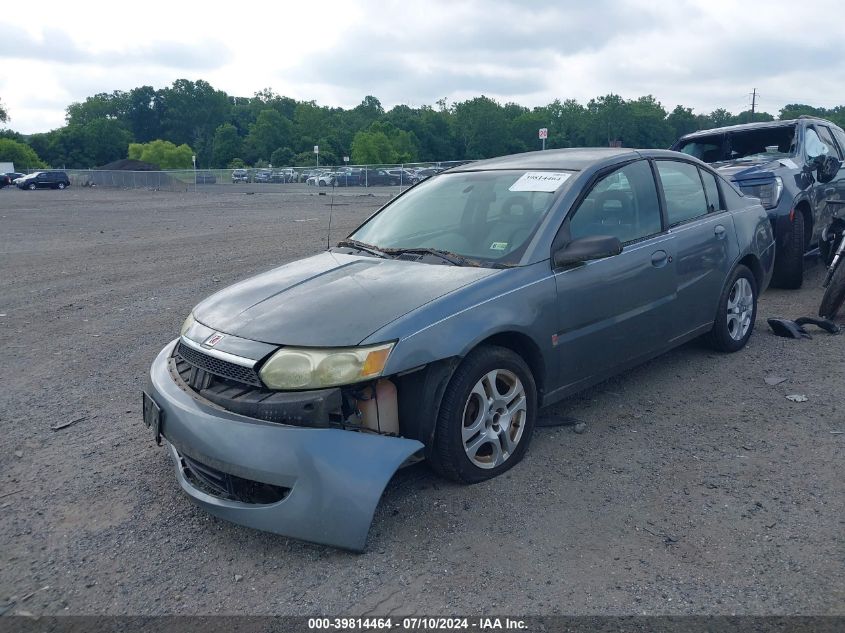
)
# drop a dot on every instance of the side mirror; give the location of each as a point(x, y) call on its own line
point(586, 249)
point(828, 168)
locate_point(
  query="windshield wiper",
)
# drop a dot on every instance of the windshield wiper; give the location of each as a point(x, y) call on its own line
point(452, 258)
point(367, 248)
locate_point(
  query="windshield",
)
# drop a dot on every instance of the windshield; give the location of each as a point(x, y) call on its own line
point(486, 216)
point(743, 145)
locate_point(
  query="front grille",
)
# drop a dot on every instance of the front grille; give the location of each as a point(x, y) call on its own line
point(219, 484)
point(218, 367)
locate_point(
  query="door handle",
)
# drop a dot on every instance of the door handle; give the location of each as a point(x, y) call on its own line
point(660, 258)
point(719, 231)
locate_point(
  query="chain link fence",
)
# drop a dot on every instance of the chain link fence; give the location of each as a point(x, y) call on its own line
point(293, 179)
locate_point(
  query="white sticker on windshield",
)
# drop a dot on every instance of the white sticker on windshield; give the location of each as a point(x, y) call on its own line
point(539, 181)
point(788, 162)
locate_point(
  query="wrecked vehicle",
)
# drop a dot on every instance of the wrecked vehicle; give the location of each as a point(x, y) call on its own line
point(794, 167)
point(439, 327)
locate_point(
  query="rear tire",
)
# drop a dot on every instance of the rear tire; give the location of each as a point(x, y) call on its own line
point(789, 264)
point(61, 185)
point(31, 187)
point(736, 314)
point(834, 294)
point(486, 416)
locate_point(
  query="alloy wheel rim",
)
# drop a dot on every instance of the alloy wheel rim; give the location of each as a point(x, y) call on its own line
point(740, 309)
point(494, 418)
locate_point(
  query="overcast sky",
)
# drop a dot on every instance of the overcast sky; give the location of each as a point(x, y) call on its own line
point(702, 54)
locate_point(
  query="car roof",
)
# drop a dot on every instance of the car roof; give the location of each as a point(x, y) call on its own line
point(572, 159)
point(756, 126)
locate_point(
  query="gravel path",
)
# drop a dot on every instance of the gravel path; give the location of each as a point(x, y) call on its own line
point(695, 488)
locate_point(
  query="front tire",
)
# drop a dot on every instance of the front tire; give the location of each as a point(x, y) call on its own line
point(31, 187)
point(736, 314)
point(789, 264)
point(486, 416)
point(61, 185)
point(834, 294)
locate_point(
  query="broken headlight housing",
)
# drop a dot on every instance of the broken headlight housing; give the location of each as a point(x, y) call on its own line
point(768, 192)
point(294, 368)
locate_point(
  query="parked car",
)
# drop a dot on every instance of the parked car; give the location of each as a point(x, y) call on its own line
point(321, 179)
point(5, 181)
point(240, 175)
point(440, 325)
point(44, 180)
point(10, 178)
point(204, 178)
point(349, 177)
point(380, 177)
point(794, 167)
point(262, 175)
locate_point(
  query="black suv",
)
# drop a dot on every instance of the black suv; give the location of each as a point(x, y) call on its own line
point(793, 167)
point(45, 180)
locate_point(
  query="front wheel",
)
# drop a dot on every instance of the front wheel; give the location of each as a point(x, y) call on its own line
point(31, 186)
point(61, 185)
point(736, 313)
point(486, 416)
point(834, 294)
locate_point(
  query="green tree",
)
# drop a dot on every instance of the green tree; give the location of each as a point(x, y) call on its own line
point(21, 154)
point(270, 131)
point(481, 126)
point(165, 154)
point(682, 121)
point(4, 115)
point(226, 145)
point(282, 157)
point(236, 163)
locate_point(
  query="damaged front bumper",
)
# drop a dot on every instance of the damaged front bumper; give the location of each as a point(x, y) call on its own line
point(314, 484)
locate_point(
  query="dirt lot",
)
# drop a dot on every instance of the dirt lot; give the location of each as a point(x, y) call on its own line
point(697, 488)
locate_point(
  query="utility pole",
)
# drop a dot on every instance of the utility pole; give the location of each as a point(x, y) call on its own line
point(753, 103)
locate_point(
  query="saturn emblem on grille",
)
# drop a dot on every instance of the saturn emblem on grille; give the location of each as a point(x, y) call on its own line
point(213, 340)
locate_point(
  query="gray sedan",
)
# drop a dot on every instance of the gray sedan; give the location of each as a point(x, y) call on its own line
point(439, 327)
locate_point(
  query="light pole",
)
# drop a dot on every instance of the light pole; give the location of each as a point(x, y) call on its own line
point(317, 152)
point(194, 161)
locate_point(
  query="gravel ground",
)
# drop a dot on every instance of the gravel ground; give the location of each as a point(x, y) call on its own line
point(696, 487)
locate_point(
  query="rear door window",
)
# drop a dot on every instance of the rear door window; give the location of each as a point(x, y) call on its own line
point(682, 190)
point(711, 189)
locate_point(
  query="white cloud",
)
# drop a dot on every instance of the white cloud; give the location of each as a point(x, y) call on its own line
point(702, 54)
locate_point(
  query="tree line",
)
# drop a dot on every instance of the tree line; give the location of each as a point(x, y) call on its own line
point(223, 131)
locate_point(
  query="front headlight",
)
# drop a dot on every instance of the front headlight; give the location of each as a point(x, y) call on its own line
point(187, 324)
point(309, 368)
point(769, 193)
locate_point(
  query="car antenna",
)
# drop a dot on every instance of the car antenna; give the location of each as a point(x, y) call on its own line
point(331, 210)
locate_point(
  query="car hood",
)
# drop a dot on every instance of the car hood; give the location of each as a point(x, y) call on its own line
point(745, 170)
point(330, 299)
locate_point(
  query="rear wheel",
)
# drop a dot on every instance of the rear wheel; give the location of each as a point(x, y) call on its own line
point(31, 186)
point(789, 264)
point(834, 294)
point(486, 416)
point(737, 311)
point(61, 185)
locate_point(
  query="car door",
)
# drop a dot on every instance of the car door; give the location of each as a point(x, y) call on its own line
point(835, 197)
point(615, 311)
point(824, 194)
point(705, 242)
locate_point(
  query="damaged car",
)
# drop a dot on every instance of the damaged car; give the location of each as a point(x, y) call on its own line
point(440, 326)
point(794, 167)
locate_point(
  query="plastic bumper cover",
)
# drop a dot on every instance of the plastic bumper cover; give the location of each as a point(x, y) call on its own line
point(335, 477)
